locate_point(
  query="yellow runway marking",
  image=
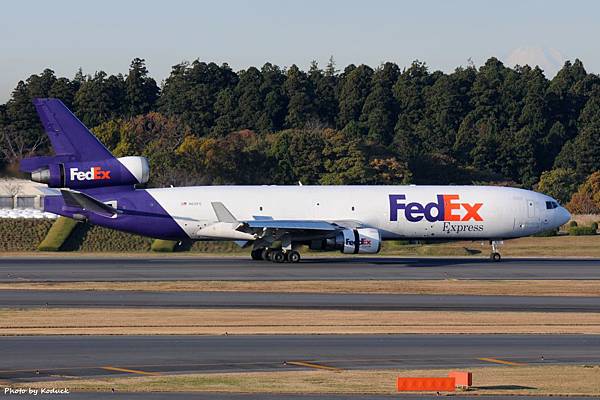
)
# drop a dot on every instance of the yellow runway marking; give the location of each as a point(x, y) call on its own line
point(132, 371)
point(312, 365)
point(497, 361)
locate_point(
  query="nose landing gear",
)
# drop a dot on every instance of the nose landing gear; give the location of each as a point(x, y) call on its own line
point(495, 255)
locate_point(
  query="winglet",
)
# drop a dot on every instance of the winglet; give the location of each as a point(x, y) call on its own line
point(222, 213)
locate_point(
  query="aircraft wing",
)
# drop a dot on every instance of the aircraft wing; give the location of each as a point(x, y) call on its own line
point(304, 225)
point(266, 230)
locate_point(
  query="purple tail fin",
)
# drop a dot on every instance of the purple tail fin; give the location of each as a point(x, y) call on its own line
point(69, 137)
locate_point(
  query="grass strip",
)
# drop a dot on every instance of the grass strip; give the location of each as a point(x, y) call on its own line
point(418, 287)
point(182, 321)
point(506, 380)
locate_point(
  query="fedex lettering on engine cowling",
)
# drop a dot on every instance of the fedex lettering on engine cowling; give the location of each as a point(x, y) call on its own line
point(448, 209)
point(361, 242)
point(94, 173)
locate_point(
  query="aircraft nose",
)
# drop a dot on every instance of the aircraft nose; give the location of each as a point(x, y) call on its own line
point(563, 216)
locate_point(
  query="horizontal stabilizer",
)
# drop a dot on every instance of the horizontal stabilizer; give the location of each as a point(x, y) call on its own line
point(34, 163)
point(81, 200)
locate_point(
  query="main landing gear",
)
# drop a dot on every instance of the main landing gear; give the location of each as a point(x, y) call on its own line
point(276, 255)
point(495, 256)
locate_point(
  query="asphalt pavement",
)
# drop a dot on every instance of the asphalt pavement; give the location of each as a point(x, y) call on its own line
point(80, 268)
point(333, 301)
point(51, 357)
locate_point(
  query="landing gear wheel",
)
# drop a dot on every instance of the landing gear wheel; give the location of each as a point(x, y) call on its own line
point(257, 254)
point(293, 256)
point(278, 256)
point(495, 256)
point(266, 254)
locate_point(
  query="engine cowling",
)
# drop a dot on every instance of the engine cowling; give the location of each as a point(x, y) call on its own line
point(90, 174)
point(351, 241)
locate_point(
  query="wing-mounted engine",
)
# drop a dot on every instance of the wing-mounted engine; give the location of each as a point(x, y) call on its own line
point(92, 174)
point(351, 241)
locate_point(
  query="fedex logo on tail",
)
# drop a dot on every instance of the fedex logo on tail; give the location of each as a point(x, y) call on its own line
point(447, 208)
point(94, 173)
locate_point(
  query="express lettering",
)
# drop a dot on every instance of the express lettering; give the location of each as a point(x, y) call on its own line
point(447, 208)
point(94, 173)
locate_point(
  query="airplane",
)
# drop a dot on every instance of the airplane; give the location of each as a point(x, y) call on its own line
point(272, 221)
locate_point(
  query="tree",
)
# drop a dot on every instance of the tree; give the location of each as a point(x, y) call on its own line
point(490, 123)
point(355, 87)
point(275, 105)
point(390, 171)
point(22, 132)
point(565, 101)
point(65, 90)
point(100, 99)
point(109, 133)
point(297, 155)
point(14, 145)
point(225, 112)
point(141, 90)
point(586, 146)
point(301, 106)
point(446, 105)
point(533, 137)
point(587, 198)
point(409, 92)
point(325, 84)
point(191, 91)
point(559, 183)
point(233, 159)
point(249, 98)
point(380, 111)
point(345, 160)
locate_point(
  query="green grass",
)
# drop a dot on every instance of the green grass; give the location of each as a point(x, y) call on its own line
point(58, 234)
point(581, 231)
point(163, 246)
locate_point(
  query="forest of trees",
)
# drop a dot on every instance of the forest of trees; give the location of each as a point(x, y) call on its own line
point(207, 124)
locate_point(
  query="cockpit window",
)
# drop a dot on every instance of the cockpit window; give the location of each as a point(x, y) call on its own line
point(550, 205)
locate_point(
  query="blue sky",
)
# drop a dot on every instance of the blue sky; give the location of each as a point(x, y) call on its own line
point(65, 35)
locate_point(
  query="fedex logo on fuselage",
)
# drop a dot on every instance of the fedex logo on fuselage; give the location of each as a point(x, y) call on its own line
point(447, 208)
point(94, 173)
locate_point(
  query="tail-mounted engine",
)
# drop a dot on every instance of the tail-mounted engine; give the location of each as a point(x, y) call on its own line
point(91, 174)
point(351, 241)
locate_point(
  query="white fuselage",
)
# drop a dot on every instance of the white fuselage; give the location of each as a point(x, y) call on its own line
point(398, 212)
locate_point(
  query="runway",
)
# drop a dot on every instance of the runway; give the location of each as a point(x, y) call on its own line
point(53, 357)
point(335, 301)
point(73, 268)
